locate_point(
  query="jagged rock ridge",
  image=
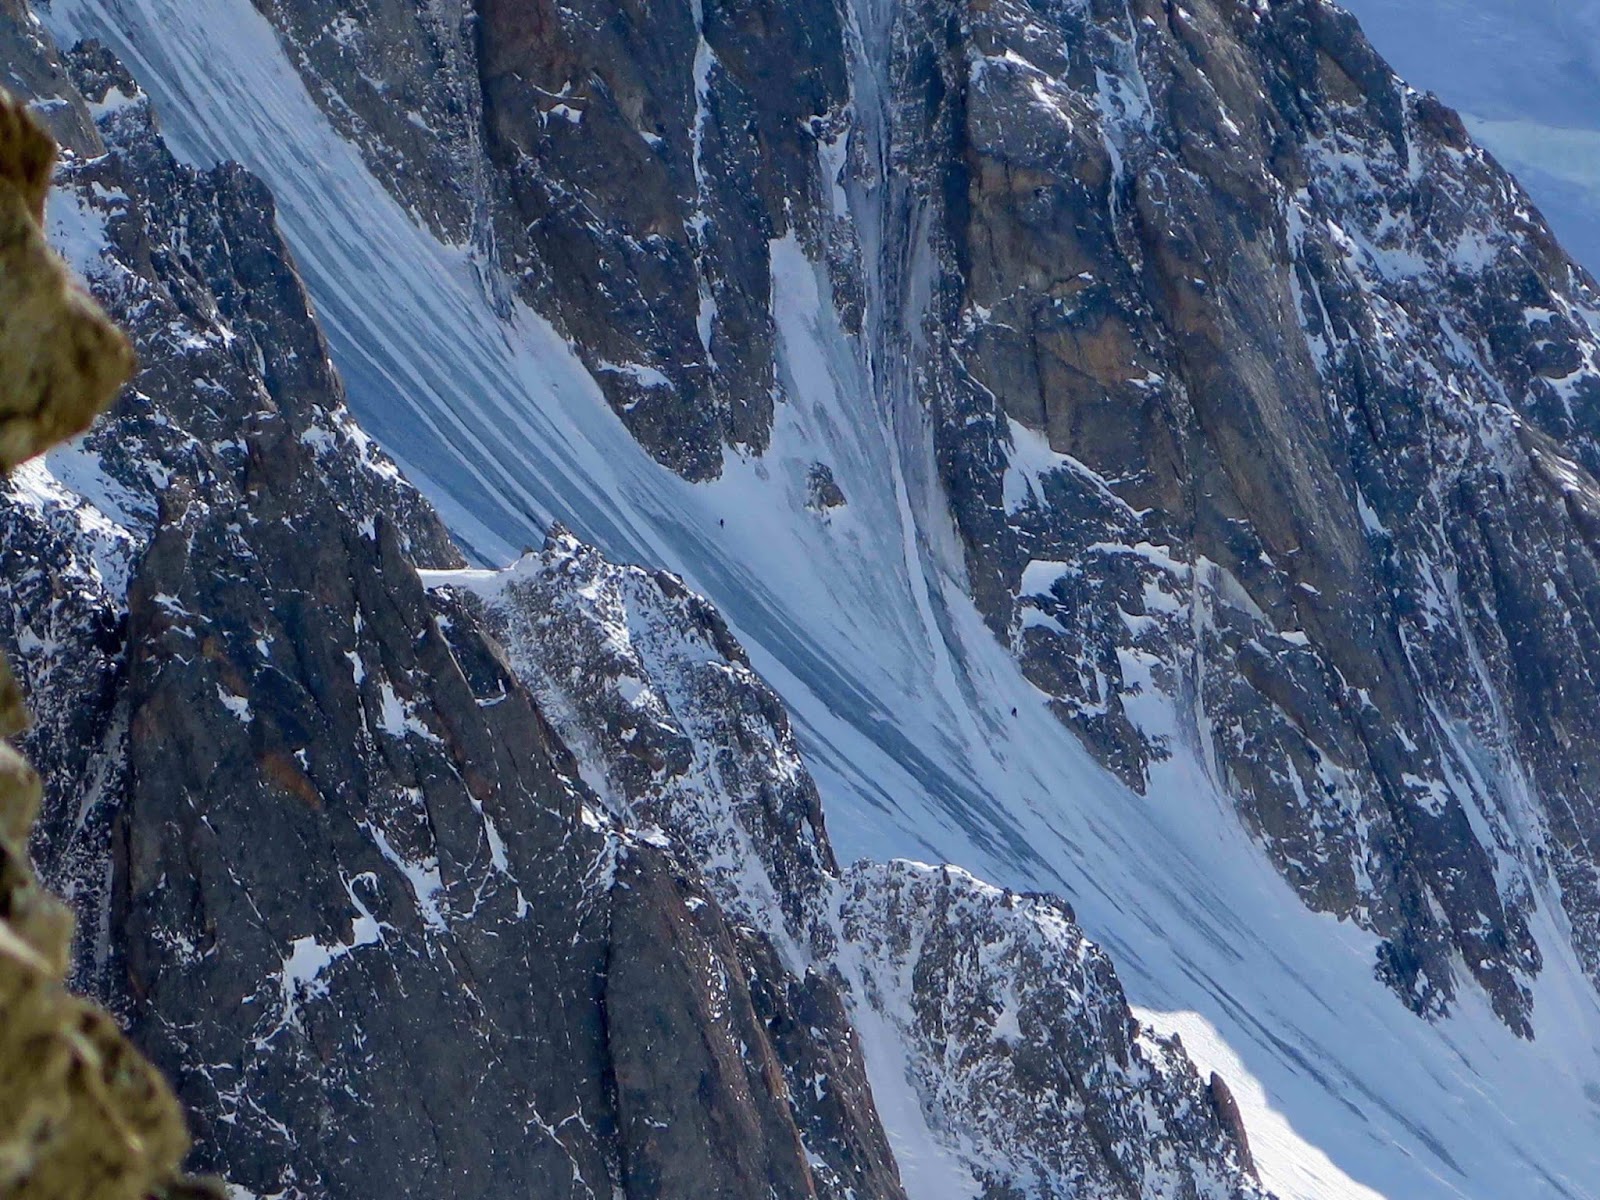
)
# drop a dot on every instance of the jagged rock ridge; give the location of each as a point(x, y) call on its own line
point(1011, 1026)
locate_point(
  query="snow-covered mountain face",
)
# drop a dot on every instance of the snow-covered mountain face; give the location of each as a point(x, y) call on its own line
point(1146, 450)
point(999, 1046)
point(349, 887)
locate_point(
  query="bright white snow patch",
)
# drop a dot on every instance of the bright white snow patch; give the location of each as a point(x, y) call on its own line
point(237, 705)
point(77, 230)
point(421, 876)
point(395, 717)
point(302, 976)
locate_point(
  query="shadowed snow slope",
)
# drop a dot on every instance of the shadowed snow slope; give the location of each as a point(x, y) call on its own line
point(901, 697)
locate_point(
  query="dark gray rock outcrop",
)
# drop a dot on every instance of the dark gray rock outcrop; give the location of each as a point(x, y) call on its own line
point(425, 964)
point(192, 265)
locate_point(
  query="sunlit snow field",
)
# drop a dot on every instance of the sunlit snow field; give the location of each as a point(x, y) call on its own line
point(902, 697)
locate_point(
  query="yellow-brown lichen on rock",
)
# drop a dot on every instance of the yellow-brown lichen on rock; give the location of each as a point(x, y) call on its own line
point(83, 1116)
point(63, 361)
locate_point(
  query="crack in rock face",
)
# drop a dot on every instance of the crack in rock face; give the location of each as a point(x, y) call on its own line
point(1235, 355)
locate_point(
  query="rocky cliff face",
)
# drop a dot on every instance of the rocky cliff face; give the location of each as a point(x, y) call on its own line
point(625, 167)
point(227, 339)
point(1268, 407)
point(343, 879)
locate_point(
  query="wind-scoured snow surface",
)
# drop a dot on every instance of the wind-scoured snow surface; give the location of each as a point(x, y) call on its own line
point(900, 696)
point(1525, 75)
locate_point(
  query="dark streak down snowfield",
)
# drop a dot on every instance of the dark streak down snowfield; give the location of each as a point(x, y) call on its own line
point(901, 696)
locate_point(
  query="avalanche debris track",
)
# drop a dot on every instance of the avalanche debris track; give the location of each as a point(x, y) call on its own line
point(901, 697)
